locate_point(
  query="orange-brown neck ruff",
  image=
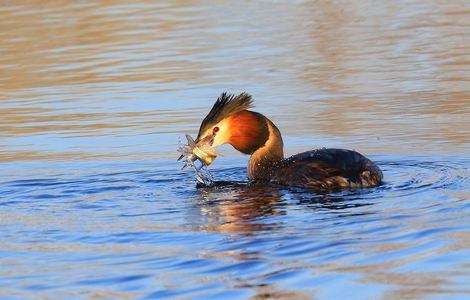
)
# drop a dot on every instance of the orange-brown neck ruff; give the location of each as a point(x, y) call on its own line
point(248, 131)
point(252, 133)
point(263, 161)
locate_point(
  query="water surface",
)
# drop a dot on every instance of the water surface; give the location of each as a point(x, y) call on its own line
point(93, 99)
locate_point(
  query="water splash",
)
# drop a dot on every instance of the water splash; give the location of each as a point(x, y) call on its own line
point(187, 152)
point(203, 176)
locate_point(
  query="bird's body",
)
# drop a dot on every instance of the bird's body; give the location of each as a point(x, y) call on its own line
point(323, 170)
point(326, 170)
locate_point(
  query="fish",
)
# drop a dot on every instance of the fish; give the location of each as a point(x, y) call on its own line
point(196, 151)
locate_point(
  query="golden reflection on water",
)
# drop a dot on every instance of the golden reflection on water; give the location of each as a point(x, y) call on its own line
point(240, 209)
point(380, 78)
point(52, 43)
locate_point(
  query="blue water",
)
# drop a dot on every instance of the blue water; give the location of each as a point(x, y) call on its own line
point(95, 95)
point(145, 230)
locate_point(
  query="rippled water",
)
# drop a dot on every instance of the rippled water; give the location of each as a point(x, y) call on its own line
point(93, 99)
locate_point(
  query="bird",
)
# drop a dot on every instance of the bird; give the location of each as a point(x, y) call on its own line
point(231, 121)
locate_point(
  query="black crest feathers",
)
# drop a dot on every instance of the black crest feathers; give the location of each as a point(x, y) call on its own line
point(225, 105)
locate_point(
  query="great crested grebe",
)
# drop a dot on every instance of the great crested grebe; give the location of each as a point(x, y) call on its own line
point(230, 121)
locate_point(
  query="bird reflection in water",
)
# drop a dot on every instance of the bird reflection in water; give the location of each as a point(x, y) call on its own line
point(246, 208)
point(238, 207)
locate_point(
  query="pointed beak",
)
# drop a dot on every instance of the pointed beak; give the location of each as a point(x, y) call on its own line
point(207, 141)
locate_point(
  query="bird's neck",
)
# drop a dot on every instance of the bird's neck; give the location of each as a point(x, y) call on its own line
point(265, 158)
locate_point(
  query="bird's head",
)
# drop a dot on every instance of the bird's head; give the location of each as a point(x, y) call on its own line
point(230, 122)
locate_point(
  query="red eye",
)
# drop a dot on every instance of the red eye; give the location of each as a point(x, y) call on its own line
point(215, 130)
